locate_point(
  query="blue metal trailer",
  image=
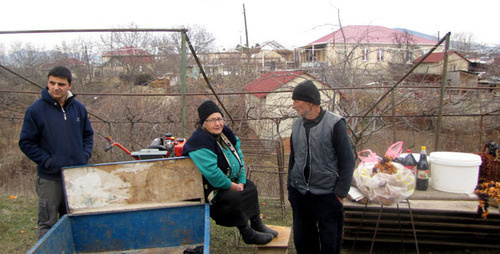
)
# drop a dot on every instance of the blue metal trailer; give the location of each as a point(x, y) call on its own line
point(151, 206)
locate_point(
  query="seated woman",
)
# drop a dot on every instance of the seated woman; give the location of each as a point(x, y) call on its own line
point(215, 150)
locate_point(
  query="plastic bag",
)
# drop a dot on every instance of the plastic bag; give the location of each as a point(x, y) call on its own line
point(392, 152)
point(381, 188)
point(395, 150)
point(369, 157)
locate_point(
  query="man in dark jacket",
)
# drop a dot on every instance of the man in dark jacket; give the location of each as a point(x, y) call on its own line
point(56, 133)
point(320, 173)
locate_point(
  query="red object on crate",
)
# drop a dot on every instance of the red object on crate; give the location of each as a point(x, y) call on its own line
point(179, 145)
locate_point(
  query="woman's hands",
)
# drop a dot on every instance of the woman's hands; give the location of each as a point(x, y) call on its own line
point(236, 187)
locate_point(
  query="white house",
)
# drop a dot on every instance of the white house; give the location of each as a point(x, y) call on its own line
point(270, 102)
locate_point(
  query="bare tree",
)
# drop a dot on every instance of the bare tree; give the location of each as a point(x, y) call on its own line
point(81, 56)
point(27, 60)
point(2, 54)
point(137, 39)
point(128, 53)
point(201, 39)
point(462, 42)
point(405, 45)
point(168, 47)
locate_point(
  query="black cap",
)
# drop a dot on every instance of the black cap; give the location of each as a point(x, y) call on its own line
point(206, 109)
point(307, 91)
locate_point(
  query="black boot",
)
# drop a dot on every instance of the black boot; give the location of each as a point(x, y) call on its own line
point(251, 236)
point(258, 225)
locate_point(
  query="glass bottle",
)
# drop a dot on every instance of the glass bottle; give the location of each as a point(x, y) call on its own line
point(423, 170)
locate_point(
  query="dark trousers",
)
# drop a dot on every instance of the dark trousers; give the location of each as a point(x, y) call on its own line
point(234, 208)
point(318, 222)
point(51, 204)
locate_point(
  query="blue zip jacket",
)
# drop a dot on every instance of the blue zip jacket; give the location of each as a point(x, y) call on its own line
point(53, 136)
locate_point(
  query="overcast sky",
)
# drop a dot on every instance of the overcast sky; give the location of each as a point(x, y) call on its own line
point(291, 23)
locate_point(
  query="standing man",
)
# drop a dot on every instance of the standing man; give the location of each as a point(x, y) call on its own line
point(320, 173)
point(56, 133)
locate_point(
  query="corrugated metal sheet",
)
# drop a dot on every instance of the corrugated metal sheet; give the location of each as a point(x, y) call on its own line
point(456, 225)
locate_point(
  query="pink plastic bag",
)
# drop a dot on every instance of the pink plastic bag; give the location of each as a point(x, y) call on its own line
point(369, 157)
point(395, 150)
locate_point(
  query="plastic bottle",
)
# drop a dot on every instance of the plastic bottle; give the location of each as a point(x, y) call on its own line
point(409, 161)
point(423, 171)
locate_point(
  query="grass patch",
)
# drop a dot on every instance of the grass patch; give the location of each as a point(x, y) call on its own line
point(18, 221)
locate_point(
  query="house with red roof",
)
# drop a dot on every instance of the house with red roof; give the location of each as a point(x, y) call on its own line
point(129, 55)
point(368, 47)
point(458, 74)
point(127, 58)
point(433, 64)
point(270, 101)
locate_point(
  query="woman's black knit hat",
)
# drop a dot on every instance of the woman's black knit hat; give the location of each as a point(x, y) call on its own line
point(206, 109)
point(307, 91)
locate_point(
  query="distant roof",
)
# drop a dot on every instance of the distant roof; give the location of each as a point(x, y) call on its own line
point(127, 53)
point(272, 45)
point(419, 34)
point(271, 81)
point(367, 34)
point(437, 57)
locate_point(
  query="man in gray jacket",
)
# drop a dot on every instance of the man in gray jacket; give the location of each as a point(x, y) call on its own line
point(320, 173)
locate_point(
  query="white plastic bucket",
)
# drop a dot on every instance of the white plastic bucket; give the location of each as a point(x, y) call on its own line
point(454, 172)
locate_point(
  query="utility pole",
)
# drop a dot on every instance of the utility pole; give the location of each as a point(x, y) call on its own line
point(444, 80)
point(246, 30)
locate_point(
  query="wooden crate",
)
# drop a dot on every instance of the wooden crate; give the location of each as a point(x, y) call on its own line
point(152, 206)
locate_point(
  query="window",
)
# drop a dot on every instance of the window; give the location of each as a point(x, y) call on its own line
point(320, 55)
point(380, 55)
point(309, 55)
point(410, 56)
point(365, 54)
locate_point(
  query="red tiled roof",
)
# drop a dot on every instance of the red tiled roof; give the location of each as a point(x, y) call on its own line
point(129, 53)
point(367, 34)
point(436, 57)
point(271, 81)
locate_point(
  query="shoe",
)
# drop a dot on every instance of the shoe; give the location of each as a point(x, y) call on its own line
point(258, 225)
point(250, 236)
